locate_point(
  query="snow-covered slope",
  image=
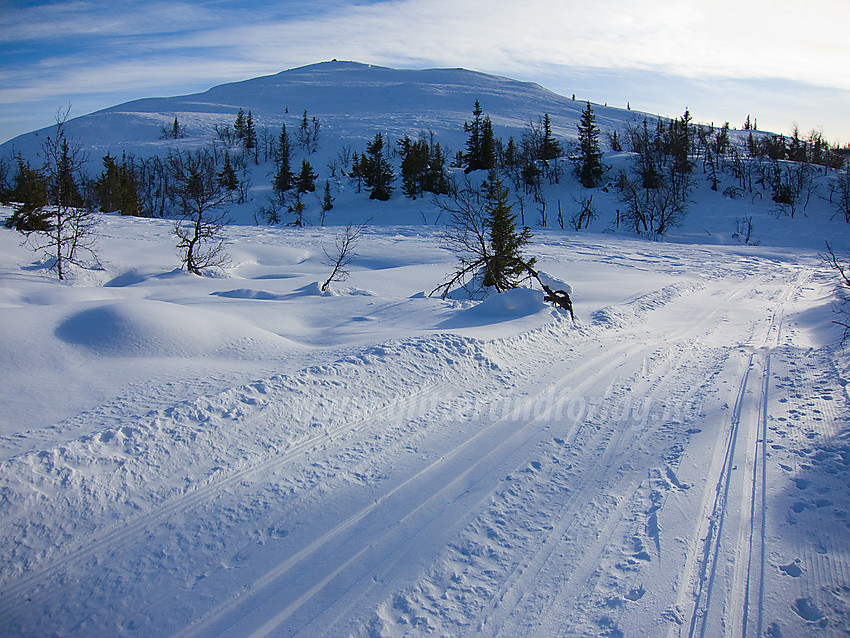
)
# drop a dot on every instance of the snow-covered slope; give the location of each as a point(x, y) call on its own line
point(352, 102)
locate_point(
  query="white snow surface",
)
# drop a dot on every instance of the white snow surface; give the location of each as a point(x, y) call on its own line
point(244, 455)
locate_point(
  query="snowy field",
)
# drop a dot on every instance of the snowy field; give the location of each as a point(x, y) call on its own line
point(245, 456)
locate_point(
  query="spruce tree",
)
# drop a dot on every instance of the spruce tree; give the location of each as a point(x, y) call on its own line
point(129, 188)
point(227, 176)
point(282, 181)
point(327, 201)
point(308, 133)
point(117, 187)
point(512, 161)
point(472, 157)
point(614, 142)
point(249, 142)
point(436, 179)
point(65, 191)
point(306, 182)
point(481, 144)
point(649, 160)
point(679, 140)
point(239, 125)
point(377, 170)
point(550, 148)
point(488, 145)
point(423, 167)
point(174, 132)
point(297, 209)
point(106, 185)
point(304, 132)
point(589, 169)
point(506, 266)
point(358, 163)
point(414, 163)
point(315, 127)
point(30, 194)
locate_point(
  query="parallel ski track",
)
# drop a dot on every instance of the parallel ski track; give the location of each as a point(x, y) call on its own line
point(617, 462)
point(14, 592)
point(447, 478)
point(701, 568)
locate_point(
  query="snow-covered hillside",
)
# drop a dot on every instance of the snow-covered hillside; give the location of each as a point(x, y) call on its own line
point(352, 101)
point(245, 455)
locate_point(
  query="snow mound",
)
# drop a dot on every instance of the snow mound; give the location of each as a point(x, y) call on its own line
point(126, 279)
point(144, 328)
point(505, 306)
point(249, 293)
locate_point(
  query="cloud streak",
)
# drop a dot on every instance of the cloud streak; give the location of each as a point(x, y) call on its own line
point(114, 19)
point(89, 49)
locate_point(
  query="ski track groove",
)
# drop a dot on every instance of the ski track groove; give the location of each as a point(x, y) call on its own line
point(196, 497)
point(589, 555)
point(614, 358)
point(749, 550)
point(614, 459)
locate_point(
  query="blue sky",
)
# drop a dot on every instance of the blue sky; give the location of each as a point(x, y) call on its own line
point(784, 63)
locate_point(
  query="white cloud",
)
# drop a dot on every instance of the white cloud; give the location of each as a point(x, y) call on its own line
point(691, 38)
point(153, 48)
point(755, 38)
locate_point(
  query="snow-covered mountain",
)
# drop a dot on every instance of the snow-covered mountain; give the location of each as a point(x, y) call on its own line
point(352, 101)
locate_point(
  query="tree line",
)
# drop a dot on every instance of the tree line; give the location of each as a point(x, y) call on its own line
point(194, 186)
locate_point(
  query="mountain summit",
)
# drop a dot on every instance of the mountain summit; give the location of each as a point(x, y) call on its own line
point(353, 101)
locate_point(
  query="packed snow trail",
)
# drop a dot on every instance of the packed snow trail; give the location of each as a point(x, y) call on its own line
point(618, 477)
point(744, 448)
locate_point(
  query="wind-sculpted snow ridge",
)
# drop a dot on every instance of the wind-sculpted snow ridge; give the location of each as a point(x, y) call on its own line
point(141, 328)
point(624, 314)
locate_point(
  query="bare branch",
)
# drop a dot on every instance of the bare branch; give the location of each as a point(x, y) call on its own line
point(832, 260)
point(345, 245)
point(196, 187)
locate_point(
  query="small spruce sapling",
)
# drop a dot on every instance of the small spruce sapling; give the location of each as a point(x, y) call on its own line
point(327, 202)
